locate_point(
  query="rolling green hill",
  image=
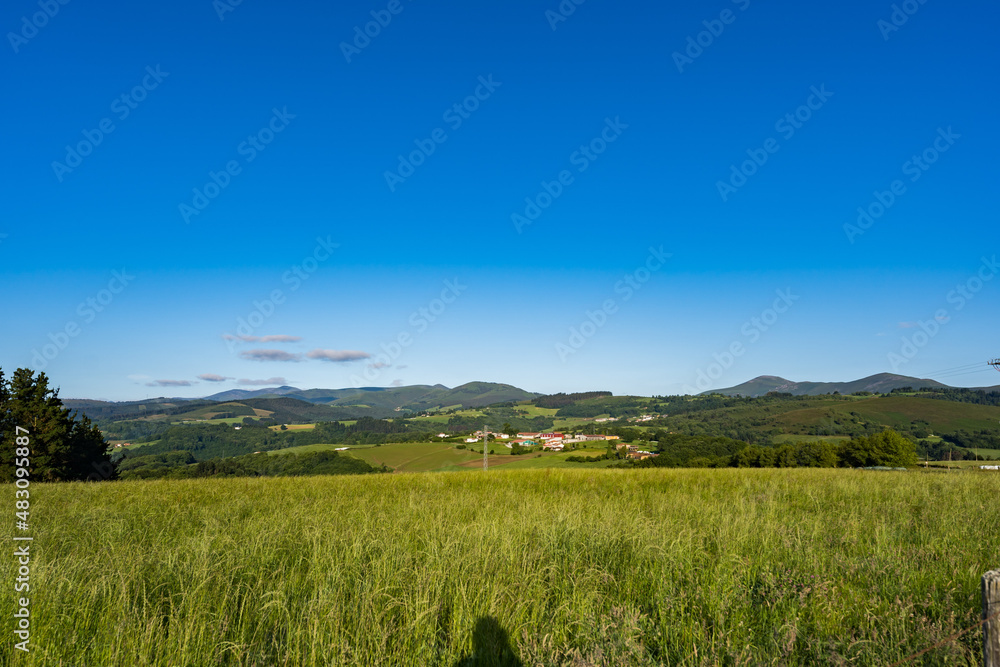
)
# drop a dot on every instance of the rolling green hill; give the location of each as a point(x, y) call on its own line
point(899, 412)
point(880, 383)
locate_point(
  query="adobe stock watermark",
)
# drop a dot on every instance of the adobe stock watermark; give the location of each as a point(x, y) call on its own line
point(958, 297)
point(263, 309)
point(223, 7)
point(714, 28)
point(420, 320)
point(248, 149)
point(787, 125)
point(87, 311)
point(901, 13)
point(381, 18)
point(563, 11)
point(37, 21)
point(914, 168)
point(454, 116)
point(751, 330)
point(595, 320)
point(581, 158)
point(122, 106)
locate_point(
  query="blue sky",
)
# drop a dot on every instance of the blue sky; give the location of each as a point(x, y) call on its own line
point(520, 172)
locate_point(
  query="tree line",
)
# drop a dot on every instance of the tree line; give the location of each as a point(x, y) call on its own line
point(888, 448)
point(182, 465)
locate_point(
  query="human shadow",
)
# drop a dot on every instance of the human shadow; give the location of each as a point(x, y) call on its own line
point(490, 647)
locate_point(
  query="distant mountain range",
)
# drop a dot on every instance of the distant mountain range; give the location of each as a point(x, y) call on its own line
point(413, 397)
point(879, 383)
point(288, 404)
point(381, 402)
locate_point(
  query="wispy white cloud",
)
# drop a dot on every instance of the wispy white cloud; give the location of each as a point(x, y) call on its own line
point(212, 377)
point(337, 355)
point(170, 383)
point(277, 338)
point(269, 355)
point(263, 383)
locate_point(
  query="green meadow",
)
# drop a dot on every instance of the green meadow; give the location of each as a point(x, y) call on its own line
point(578, 567)
point(408, 457)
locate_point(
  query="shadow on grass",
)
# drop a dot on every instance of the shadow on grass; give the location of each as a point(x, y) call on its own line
point(490, 647)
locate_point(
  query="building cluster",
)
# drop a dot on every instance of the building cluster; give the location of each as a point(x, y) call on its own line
point(554, 441)
point(640, 418)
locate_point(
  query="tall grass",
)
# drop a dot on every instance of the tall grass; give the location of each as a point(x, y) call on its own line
point(622, 567)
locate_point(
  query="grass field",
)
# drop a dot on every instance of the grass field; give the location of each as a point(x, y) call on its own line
point(560, 423)
point(558, 460)
point(992, 453)
point(535, 411)
point(591, 567)
point(223, 420)
point(437, 456)
point(434, 420)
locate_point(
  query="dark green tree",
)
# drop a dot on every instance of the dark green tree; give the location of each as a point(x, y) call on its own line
point(62, 446)
point(6, 426)
point(816, 455)
point(887, 448)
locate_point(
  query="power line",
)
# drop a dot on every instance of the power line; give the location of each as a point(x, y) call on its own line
point(968, 369)
point(943, 371)
point(949, 375)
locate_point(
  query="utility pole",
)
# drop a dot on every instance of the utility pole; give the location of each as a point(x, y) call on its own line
point(486, 444)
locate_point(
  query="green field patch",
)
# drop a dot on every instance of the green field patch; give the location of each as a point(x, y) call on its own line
point(414, 456)
point(535, 411)
point(995, 453)
point(303, 449)
point(432, 419)
point(570, 422)
point(213, 411)
point(226, 420)
point(294, 427)
point(442, 418)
